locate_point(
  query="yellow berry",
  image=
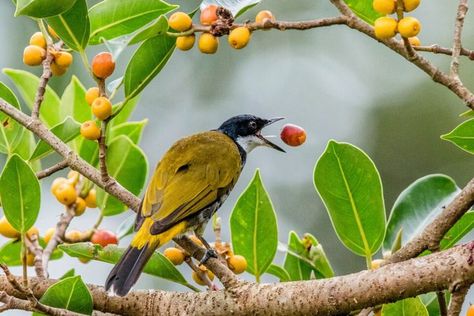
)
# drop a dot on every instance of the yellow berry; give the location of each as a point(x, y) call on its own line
point(73, 236)
point(79, 206)
point(73, 177)
point(49, 234)
point(237, 264)
point(103, 65)
point(175, 255)
point(409, 27)
point(410, 5)
point(102, 108)
point(32, 231)
point(56, 183)
point(90, 130)
point(52, 32)
point(384, 6)
point(63, 59)
point(264, 15)
point(180, 22)
point(376, 263)
point(7, 230)
point(66, 194)
point(185, 42)
point(198, 279)
point(38, 39)
point(385, 27)
point(239, 37)
point(470, 311)
point(208, 43)
point(30, 259)
point(90, 199)
point(33, 55)
point(57, 70)
point(92, 94)
point(414, 41)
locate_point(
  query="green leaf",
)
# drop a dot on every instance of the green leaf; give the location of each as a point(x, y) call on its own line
point(131, 129)
point(158, 265)
point(156, 51)
point(126, 111)
point(67, 130)
point(73, 26)
point(69, 293)
point(126, 227)
point(407, 307)
point(364, 10)
point(279, 272)
point(462, 136)
point(417, 205)
point(10, 252)
point(111, 19)
point(42, 8)
point(69, 273)
point(73, 102)
point(11, 131)
point(127, 163)
point(297, 268)
point(89, 151)
point(350, 186)
point(157, 28)
point(20, 193)
point(27, 83)
point(253, 227)
point(458, 231)
point(468, 113)
point(237, 7)
point(25, 149)
point(316, 255)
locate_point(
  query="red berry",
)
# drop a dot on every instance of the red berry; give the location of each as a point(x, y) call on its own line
point(293, 135)
point(209, 15)
point(104, 238)
point(103, 65)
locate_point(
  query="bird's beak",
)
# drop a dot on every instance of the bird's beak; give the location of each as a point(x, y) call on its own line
point(266, 141)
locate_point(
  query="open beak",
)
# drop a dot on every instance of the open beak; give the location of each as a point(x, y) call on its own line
point(266, 141)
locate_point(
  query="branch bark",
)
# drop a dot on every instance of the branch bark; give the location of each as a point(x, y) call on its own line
point(462, 10)
point(337, 295)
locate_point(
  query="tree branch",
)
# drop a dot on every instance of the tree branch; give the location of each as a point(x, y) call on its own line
point(53, 169)
point(35, 248)
point(457, 298)
point(43, 82)
point(436, 49)
point(337, 295)
point(462, 10)
point(57, 237)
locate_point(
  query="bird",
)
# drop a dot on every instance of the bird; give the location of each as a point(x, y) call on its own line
point(189, 184)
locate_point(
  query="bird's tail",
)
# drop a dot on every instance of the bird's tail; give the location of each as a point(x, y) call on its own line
point(127, 271)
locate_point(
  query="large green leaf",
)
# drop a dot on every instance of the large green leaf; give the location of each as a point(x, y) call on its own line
point(126, 111)
point(407, 307)
point(42, 8)
point(157, 28)
point(237, 7)
point(363, 9)
point(131, 129)
point(89, 150)
point(158, 265)
point(297, 268)
point(111, 18)
point(156, 51)
point(462, 136)
point(458, 231)
point(10, 252)
point(67, 130)
point(417, 205)
point(27, 83)
point(350, 186)
point(73, 102)
point(20, 193)
point(253, 227)
point(279, 272)
point(127, 163)
point(10, 130)
point(69, 293)
point(26, 147)
point(73, 26)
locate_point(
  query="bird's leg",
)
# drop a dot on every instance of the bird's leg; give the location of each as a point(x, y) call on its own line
point(210, 252)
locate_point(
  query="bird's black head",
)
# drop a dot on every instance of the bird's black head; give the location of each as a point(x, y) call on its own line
point(246, 129)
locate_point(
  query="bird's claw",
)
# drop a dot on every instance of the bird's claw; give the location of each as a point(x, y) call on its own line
point(210, 253)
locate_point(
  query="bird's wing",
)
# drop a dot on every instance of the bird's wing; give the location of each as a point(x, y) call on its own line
point(192, 175)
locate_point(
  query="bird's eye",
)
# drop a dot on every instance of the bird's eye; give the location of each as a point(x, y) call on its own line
point(253, 125)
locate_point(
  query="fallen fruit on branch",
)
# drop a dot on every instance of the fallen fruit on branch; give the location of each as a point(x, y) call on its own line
point(293, 135)
point(239, 37)
point(103, 65)
point(90, 130)
point(385, 27)
point(104, 237)
point(208, 43)
point(180, 22)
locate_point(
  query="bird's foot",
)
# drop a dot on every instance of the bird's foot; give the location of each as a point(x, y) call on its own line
point(210, 253)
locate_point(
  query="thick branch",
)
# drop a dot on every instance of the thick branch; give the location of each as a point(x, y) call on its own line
point(337, 295)
point(462, 10)
point(74, 161)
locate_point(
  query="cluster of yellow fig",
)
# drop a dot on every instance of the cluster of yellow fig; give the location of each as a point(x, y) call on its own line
point(238, 37)
point(8, 231)
point(35, 53)
point(387, 27)
point(66, 192)
point(236, 263)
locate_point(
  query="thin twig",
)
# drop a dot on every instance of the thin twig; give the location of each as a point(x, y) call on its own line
point(103, 153)
point(462, 10)
point(457, 299)
point(443, 309)
point(409, 49)
point(43, 82)
point(437, 49)
point(34, 247)
point(54, 168)
point(202, 274)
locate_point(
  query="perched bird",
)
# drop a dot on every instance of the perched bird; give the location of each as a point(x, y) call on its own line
point(189, 184)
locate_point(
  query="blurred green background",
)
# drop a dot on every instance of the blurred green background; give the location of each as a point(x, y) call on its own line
point(335, 82)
